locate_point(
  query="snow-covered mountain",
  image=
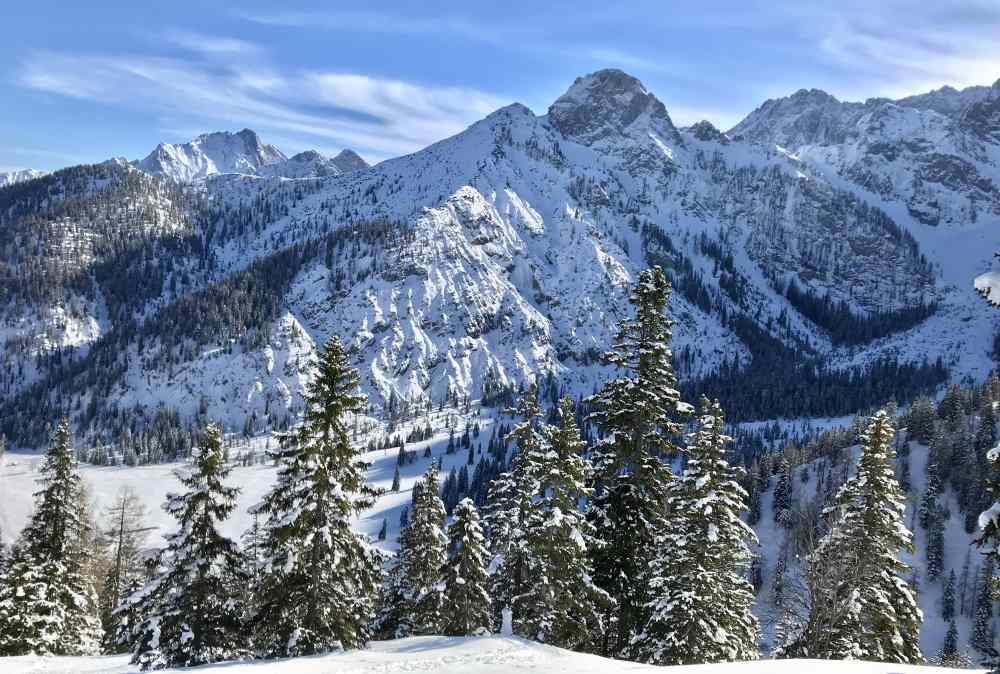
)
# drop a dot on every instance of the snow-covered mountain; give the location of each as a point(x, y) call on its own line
point(242, 152)
point(20, 176)
point(504, 254)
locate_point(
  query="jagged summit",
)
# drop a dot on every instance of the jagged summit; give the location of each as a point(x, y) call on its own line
point(211, 153)
point(608, 104)
point(809, 116)
point(242, 152)
point(706, 131)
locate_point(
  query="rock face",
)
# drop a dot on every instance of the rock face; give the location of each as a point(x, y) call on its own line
point(608, 105)
point(936, 154)
point(498, 256)
point(349, 161)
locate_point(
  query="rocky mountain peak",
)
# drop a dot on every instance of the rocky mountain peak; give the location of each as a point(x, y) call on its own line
point(349, 160)
point(608, 104)
point(706, 131)
point(211, 153)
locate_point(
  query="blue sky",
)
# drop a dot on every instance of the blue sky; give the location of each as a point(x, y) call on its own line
point(86, 81)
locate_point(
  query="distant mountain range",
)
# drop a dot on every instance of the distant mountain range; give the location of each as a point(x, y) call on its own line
point(822, 254)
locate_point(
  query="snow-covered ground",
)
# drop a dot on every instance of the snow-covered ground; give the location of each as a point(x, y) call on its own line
point(457, 655)
point(19, 475)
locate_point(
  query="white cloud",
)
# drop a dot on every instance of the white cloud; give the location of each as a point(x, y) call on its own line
point(210, 44)
point(375, 116)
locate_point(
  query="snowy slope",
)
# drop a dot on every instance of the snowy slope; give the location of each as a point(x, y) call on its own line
point(242, 152)
point(508, 251)
point(211, 153)
point(459, 655)
point(14, 177)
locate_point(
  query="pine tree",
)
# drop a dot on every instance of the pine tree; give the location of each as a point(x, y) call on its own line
point(465, 578)
point(948, 598)
point(422, 554)
point(983, 636)
point(320, 578)
point(782, 492)
point(637, 415)
point(395, 480)
point(928, 502)
point(562, 606)
point(949, 656)
point(860, 605)
point(934, 550)
point(48, 605)
point(920, 420)
point(701, 611)
point(192, 608)
point(511, 501)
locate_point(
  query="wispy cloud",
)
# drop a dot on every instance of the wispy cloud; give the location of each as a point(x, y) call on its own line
point(380, 23)
point(378, 117)
point(897, 48)
point(210, 44)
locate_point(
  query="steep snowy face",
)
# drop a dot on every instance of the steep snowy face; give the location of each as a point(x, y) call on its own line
point(612, 112)
point(14, 177)
point(936, 154)
point(807, 117)
point(211, 153)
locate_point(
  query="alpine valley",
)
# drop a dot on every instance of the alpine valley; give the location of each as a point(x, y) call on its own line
point(822, 259)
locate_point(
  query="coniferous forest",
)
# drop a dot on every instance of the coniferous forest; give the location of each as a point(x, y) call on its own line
point(618, 525)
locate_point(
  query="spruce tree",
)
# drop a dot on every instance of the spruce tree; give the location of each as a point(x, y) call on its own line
point(701, 611)
point(934, 549)
point(48, 605)
point(465, 579)
point(320, 578)
point(637, 415)
point(948, 598)
point(512, 499)
point(860, 605)
point(193, 612)
point(422, 554)
point(561, 605)
point(983, 635)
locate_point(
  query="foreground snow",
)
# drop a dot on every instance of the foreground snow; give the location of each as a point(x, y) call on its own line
point(444, 655)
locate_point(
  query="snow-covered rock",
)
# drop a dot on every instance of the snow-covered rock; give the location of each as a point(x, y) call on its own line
point(14, 177)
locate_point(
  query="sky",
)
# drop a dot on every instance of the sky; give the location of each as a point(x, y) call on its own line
point(83, 82)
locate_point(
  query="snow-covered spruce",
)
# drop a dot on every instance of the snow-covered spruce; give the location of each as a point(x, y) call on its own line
point(191, 609)
point(423, 551)
point(701, 611)
point(860, 606)
point(637, 415)
point(562, 605)
point(464, 583)
point(47, 602)
point(320, 581)
point(509, 505)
